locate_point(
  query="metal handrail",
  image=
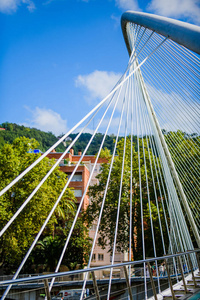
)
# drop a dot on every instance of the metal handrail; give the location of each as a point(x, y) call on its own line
point(128, 263)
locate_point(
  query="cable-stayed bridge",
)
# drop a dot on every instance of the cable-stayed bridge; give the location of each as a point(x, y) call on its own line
point(155, 107)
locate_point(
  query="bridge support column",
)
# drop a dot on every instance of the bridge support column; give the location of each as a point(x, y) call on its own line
point(191, 268)
point(128, 283)
point(198, 261)
point(182, 274)
point(95, 286)
point(169, 279)
point(152, 282)
point(171, 165)
point(47, 292)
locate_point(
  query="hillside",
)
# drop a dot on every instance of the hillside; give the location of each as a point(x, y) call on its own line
point(12, 131)
point(47, 139)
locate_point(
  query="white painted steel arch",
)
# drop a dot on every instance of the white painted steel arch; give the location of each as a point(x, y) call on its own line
point(180, 32)
point(184, 34)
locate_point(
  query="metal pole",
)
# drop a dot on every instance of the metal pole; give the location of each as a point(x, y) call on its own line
point(152, 281)
point(191, 268)
point(170, 163)
point(182, 274)
point(75, 272)
point(95, 286)
point(170, 282)
point(47, 292)
point(198, 261)
point(128, 284)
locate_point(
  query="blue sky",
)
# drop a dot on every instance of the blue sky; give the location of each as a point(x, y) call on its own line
point(58, 58)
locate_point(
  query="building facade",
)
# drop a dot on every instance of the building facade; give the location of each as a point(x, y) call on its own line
point(79, 183)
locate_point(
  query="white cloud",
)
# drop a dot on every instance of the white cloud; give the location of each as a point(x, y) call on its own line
point(189, 9)
point(30, 5)
point(47, 2)
point(97, 84)
point(8, 5)
point(47, 120)
point(127, 4)
point(11, 6)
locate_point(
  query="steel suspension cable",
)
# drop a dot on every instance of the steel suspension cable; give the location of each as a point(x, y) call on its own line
point(169, 97)
point(171, 63)
point(105, 192)
point(45, 177)
point(169, 78)
point(120, 191)
point(53, 209)
point(166, 167)
point(140, 185)
point(147, 184)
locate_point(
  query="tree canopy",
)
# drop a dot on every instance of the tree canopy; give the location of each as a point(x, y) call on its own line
point(14, 158)
point(96, 192)
point(47, 139)
point(183, 148)
point(12, 131)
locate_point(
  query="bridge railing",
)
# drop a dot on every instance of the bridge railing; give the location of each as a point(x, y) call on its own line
point(170, 268)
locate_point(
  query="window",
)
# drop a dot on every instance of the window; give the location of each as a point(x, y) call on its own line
point(100, 257)
point(77, 177)
point(94, 256)
point(78, 193)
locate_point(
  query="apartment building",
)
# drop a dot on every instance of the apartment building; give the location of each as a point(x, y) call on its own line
point(82, 174)
point(79, 182)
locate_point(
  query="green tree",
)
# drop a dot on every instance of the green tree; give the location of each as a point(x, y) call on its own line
point(12, 131)
point(105, 153)
point(185, 154)
point(14, 158)
point(96, 192)
point(184, 150)
point(48, 250)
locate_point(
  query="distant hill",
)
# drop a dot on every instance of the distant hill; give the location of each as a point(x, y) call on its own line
point(94, 147)
point(10, 131)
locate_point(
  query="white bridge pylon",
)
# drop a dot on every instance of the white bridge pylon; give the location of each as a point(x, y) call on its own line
point(155, 105)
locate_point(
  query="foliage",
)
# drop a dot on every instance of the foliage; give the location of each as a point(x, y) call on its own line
point(13, 131)
point(14, 158)
point(105, 153)
point(184, 149)
point(47, 139)
point(48, 250)
point(95, 144)
point(96, 192)
point(185, 154)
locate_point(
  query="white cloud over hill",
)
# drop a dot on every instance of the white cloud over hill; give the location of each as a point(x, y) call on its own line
point(46, 120)
point(97, 84)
